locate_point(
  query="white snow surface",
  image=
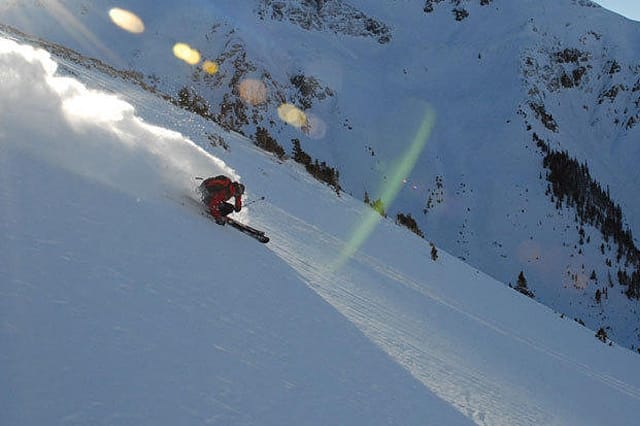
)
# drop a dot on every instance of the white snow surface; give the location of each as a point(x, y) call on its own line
point(121, 304)
point(478, 187)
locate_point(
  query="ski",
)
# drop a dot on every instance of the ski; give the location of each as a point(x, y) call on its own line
point(248, 230)
point(245, 229)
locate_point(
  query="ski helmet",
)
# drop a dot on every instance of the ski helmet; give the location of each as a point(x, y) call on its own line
point(239, 188)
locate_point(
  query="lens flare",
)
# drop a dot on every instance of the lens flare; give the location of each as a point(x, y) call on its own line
point(315, 128)
point(126, 20)
point(390, 190)
point(184, 52)
point(210, 67)
point(253, 91)
point(529, 251)
point(292, 115)
point(69, 23)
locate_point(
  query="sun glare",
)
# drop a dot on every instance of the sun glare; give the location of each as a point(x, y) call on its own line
point(292, 115)
point(186, 53)
point(315, 128)
point(388, 193)
point(210, 67)
point(253, 91)
point(74, 27)
point(126, 20)
point(529, 251)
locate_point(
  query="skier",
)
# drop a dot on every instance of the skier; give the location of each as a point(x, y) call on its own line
point(216, 191)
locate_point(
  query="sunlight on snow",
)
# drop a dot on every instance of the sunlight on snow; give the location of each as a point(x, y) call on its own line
point(97, 107)
point(184, 52)
point(92, 133)
point(126, 20)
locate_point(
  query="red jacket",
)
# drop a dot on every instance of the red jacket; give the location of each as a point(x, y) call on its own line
point(220, 189)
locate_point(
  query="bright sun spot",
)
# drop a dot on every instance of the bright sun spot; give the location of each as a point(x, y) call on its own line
point(315, 127)
point(186, 53)
point(292, 115)
point(253, 91)
point(126, 20)
point(210, 67)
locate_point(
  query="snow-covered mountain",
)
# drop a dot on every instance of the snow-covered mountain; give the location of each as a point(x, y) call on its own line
point(504, 129)
point(120, 303)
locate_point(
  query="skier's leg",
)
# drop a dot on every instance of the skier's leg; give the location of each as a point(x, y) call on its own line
point(225, 208)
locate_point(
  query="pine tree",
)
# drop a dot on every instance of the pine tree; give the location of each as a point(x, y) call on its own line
point(601, 334)
point(521, 285)
point(191, 101)
point(409, 222)
point(522, 281)
point(434, 252)
point(378, 206)
point(265, 141)
point(299, 156)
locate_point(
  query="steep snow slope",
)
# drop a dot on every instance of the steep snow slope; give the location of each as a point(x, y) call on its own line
point(118, 311)
point(492, 78)
point(123, 305)
point(366, 72)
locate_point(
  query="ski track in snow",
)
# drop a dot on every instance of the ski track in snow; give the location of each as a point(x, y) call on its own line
point(445, 367)
point(406, 340)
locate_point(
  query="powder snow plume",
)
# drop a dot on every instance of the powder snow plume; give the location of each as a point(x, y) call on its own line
point(92, 133)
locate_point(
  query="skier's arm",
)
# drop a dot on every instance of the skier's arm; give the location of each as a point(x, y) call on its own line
point(238, 205)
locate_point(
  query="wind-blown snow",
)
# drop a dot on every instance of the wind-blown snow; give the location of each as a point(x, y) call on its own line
point(117, 148)
point(121, 305)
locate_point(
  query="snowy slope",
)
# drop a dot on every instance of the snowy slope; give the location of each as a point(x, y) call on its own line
point(121, 304)
point(375, 71)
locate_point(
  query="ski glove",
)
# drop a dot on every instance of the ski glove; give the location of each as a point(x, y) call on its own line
point(221, 221)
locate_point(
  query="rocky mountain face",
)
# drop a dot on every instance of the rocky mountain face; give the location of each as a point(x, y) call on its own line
point(612, 84)
point(335, 16)
point(602, 85)
point(457, 7)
